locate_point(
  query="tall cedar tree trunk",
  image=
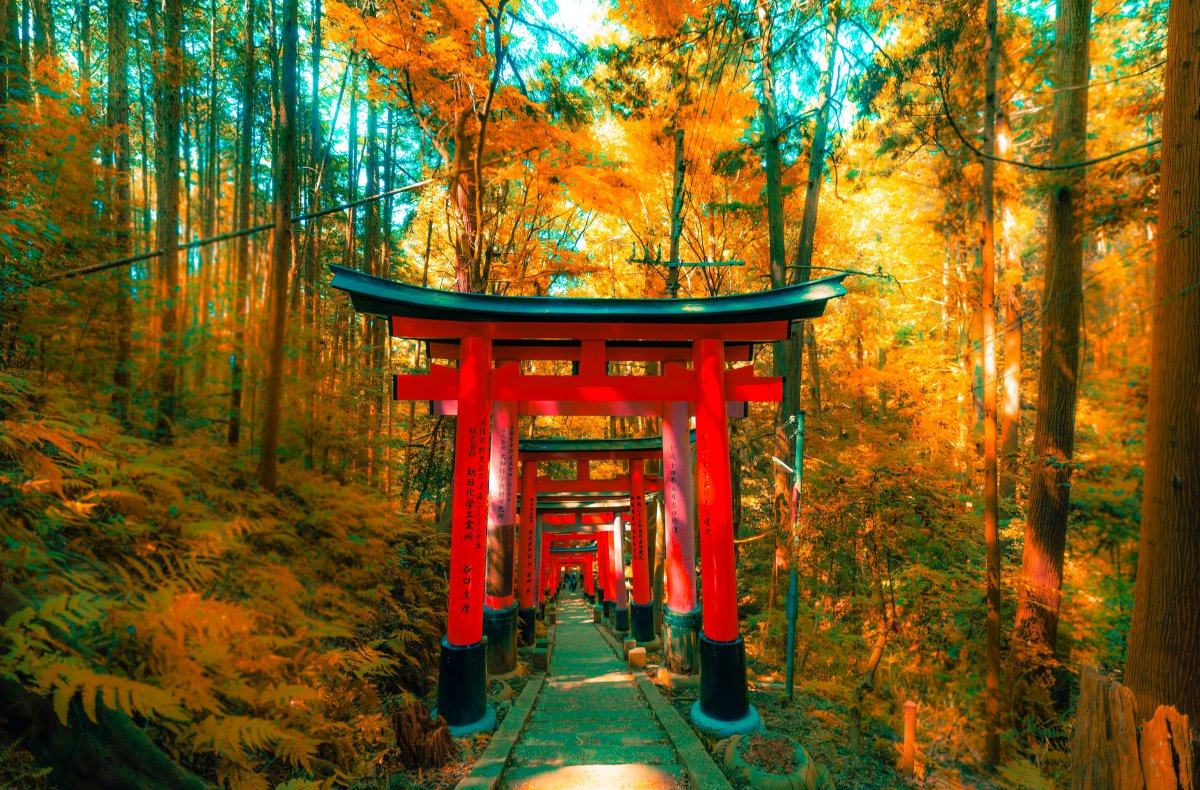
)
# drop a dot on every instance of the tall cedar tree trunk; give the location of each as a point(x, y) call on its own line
point(209, 192)
point(311, 246)
point(990, 499)
point(1011, 274)
point(1164, 640)
point(784, 361)
point(167, 77)
point(372, 407)
point(242, 244)
point(1062, 302)
point(281, 248)
point(789, 354)
point(117, 117)
point(43, 30)
point(808, 222)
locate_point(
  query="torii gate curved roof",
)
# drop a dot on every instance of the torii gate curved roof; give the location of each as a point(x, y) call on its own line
point(380, 296)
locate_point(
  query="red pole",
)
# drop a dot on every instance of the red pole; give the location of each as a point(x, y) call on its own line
point(589, 584)
point(468, 555)
point(502, 506)
point(602, 551)
point(677, 509)
point(637, 512)
point(717, 564)
point(525, 589)
point(621, 595)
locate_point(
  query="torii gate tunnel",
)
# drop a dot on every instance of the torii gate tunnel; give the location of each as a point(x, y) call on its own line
point(489, 337)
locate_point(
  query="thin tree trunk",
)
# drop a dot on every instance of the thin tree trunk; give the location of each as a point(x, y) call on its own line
point(990, 500)
point(43, 30)
point(1164, 639)
point(208, 207)
point(117, 116)
point(1010, 412)
point(352, 167)
point(167, 78)
point(782, 356)
point(242, 245)
point(1054, 430)
point(281, 247)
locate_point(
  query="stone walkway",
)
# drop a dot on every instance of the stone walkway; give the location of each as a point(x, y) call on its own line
point(590, 727)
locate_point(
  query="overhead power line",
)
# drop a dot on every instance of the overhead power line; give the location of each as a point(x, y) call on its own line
point(129, 260)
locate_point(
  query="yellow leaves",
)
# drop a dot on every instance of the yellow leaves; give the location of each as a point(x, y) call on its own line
point(181, 599)
point(65, 679)
point(231, 736)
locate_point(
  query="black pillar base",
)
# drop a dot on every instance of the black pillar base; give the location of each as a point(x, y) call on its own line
point(681, 638)
point(500, 633)
point(621, 623)
point(608, 610)
point(641, 620)
point(462, 689)
point(526, 625)
point(724, 706)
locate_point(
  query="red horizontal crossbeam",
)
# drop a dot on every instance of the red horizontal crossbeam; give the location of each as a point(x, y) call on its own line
point(442, 329)
point(554, 394)
point(563, 537)
point(546, 485)
point(568, 352)
point(572, 518)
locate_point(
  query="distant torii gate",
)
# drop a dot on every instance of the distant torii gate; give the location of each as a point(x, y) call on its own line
point(633, 487)
point(478, 330)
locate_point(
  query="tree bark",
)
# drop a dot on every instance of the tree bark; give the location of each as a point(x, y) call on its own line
point(1104, 751)
point(242, 245)
point(1010, 411)
point(117, 118)
point(1164, 638)
point(167, 79)
point(990, 499)
point(281, 250)
point(1054, 429)
point(785, 360)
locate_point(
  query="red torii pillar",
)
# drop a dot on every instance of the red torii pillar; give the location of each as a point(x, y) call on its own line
point(620, 594)
point(462, 689)
point(604, 554)
point(724, 705)
point(499, 603)
point(681, 617)
point(642, 609)
point(527, 565)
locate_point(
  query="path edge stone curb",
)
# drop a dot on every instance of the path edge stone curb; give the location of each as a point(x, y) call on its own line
point(485, 774)
point(701, 771)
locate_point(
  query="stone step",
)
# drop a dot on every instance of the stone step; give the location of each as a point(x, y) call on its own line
point(581, 725)
point(542, 714)
point(610, 754)
point(617, 734)
point(626, 777)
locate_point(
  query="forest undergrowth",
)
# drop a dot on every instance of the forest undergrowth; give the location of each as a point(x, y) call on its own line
point(259, 640)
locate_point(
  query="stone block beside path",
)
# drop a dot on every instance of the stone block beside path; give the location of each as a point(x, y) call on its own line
point(637, 659)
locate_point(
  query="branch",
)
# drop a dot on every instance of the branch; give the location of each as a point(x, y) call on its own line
point(1031, 165)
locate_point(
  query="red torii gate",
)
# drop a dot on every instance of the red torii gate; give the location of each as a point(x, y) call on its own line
point(638, 616)
point(479, 330)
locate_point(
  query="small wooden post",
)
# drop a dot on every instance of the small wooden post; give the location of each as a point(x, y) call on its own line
point(908, 761)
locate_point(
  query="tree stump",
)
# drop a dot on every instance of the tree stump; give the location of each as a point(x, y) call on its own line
point(422, 742)
point(1167, 751)
point(1104, 754)
point(1107, 752)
